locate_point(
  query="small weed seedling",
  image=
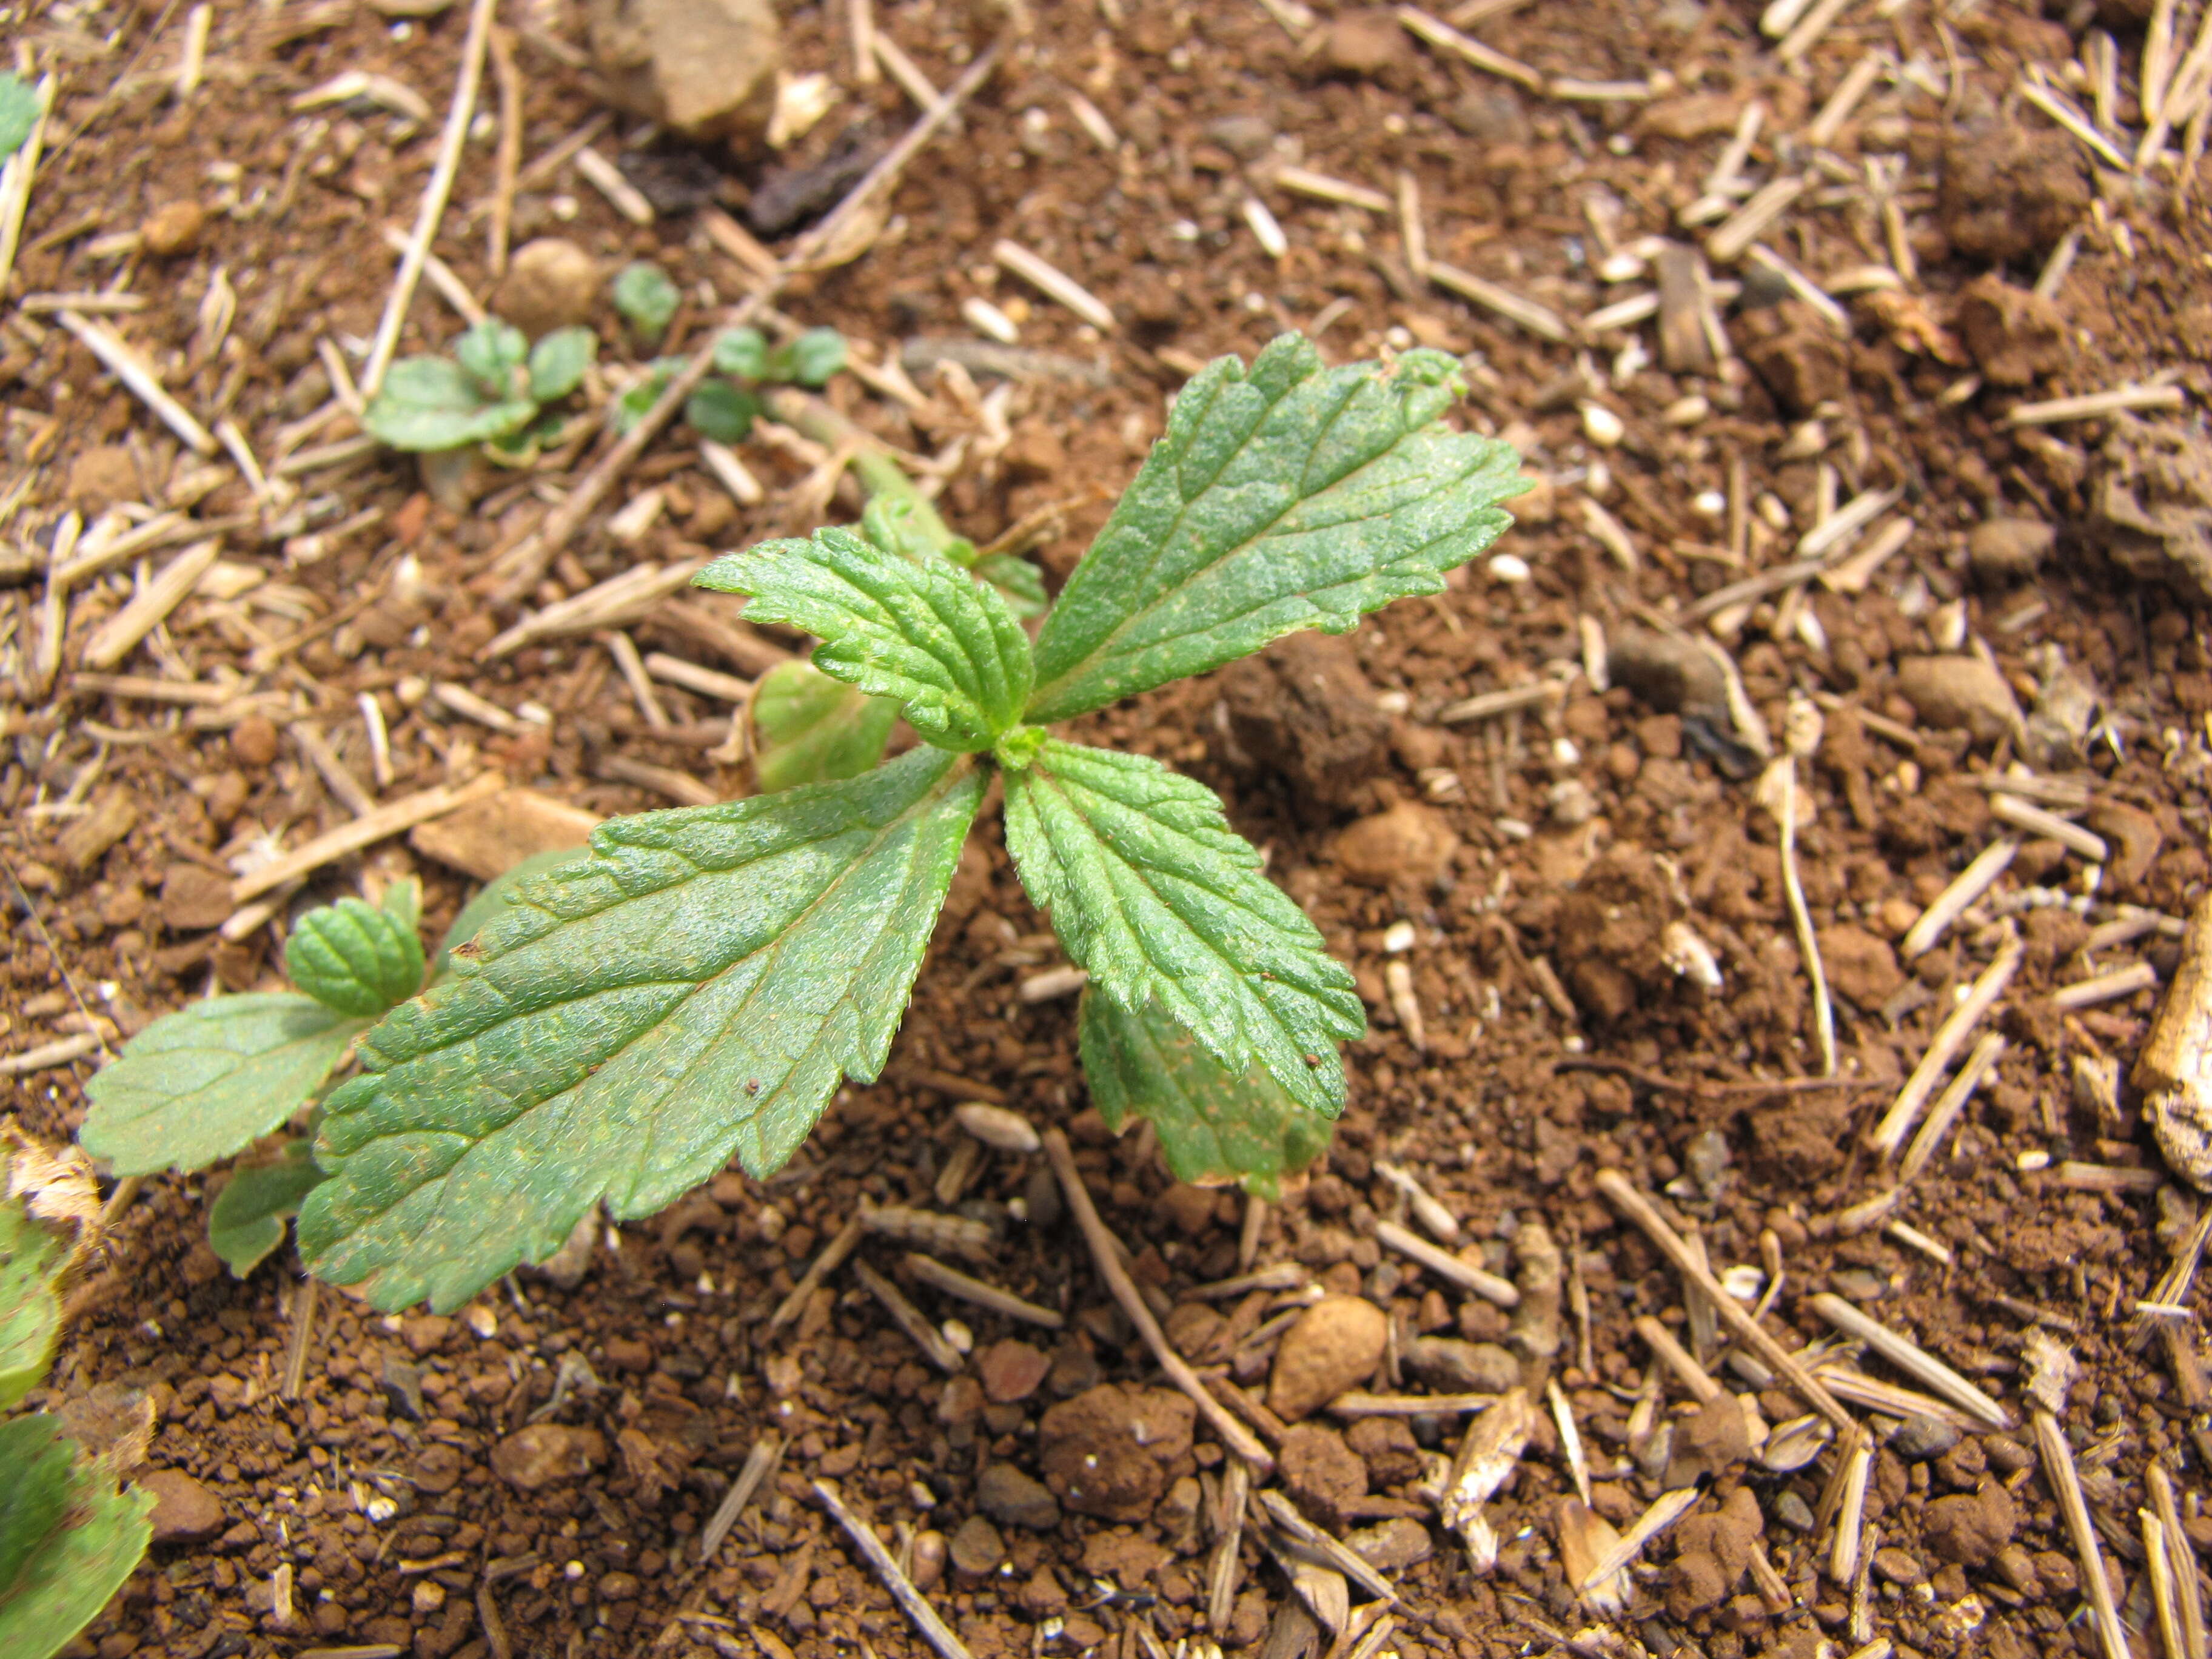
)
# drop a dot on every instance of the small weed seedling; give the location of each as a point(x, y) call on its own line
point(727, 403)
point(220, 1077)
point(489, 391)
point(702, 984)
point(68, 1537)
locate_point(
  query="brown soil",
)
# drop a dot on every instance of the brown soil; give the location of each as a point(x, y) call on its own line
point(1557, 849)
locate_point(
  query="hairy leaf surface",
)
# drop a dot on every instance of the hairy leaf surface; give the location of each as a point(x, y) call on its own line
point(1282, 497)
point(696, 989)
point(1164, 903)
point(809, 728)
point(493, 899)
point(1214, 1127)
point(212, 1078)
point(246, 1220)
point(354, 958)
point(68, 1539)
point(920, 631)
point(432, 402)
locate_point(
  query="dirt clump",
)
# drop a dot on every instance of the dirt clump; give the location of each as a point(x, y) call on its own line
point(2002, 551)
point(2015, 336)
point(1112, 1450)
point(1970, 1528)
point(1954, 694)
point(551, 284)
point(546, 1454)
point(2009, 191)
point(2151, 508)
point(1408, 845)
point(1302, 713)
point(705, 69)
point(1326, 1476)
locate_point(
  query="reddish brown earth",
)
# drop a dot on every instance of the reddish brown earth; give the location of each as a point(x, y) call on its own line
point(1538, 857)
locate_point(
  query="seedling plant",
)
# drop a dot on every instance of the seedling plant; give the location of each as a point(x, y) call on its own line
point(699, 986)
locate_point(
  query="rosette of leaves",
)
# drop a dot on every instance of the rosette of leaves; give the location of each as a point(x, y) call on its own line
point(68, 1537)
point(214, 1080)
point(701, 984)
point(725, 405)
point(488, 392)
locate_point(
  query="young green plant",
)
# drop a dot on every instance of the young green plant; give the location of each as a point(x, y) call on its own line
point(68, 1537)
point(214, 1080)
point(489, 391)
point(702, 984)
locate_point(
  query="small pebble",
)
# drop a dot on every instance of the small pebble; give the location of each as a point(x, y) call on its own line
point(173, 228)
point(1921, 1436)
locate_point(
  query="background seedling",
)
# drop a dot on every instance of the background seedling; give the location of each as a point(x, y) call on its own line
point(488, 392)
point(701, 985)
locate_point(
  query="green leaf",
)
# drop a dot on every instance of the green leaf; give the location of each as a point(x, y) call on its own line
point(32, 1257)
point(403, 903)
point(646, 299)
point(430, 403)
point(354, 958)
point(490, 902)
point(1215, 1127)
point(632, 406)
point(741, 353)
point(491, 352)
point(1286, 497)
point(697, 989)
point(210, 1079)
point(1164, 903)
point(809, 728)
point(246, 1220)
point(721, 410)
point(18, 112)
point(1018, 583)
point(924, 634)
point(809, 360)
point(68, 1539)
point(558, 361)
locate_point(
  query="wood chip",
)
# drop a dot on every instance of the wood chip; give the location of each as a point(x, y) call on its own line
point(1538, 319)
point(119, 635)
point(1303, 181)
point(2096, 404)
point(1947, 906)
point(1909, 1357)
point(2106, 988)
point(387, 821)
point(2036, 821)
point(911, 1601)
point(1950, 1037)
point(1442, 36)
point(931, 1272)
point(909, 1319)
point(1446, 1266)
point(129, 367)
point(1054, 283)
point(1751, 221)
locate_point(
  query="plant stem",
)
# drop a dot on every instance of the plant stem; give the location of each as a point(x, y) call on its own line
point(872, 463)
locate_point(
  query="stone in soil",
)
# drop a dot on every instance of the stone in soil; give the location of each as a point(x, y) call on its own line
point(1302, 715)
point(2009, 190)
point(1673, 676)
point(1334, 1346)
point(1112, 1450)
point(1012, 1497)
point(1123, 1556)
point(2008, 549)
point(549, 283)
point(1012, 1370)
point(194, 899)
point(545, 1454)
point(2015, 336)
point(1796, 357)
point(1409, 845)
point(1324, 1476)
point(976, 1547)
point(1448, 1365)
point(172, 229)
point(1365, 42)
point(1920, 1437)
point(1394, 1545)
point(1954, 694)
point(184, 1511)
point(704, 68)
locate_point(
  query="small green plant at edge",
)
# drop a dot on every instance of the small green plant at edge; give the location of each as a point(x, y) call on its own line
point(725, 405)
point(489, 391)
point(701, 984)
point(68, 1537)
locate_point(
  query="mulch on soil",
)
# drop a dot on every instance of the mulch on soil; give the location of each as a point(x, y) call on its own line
point(1568, 906)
